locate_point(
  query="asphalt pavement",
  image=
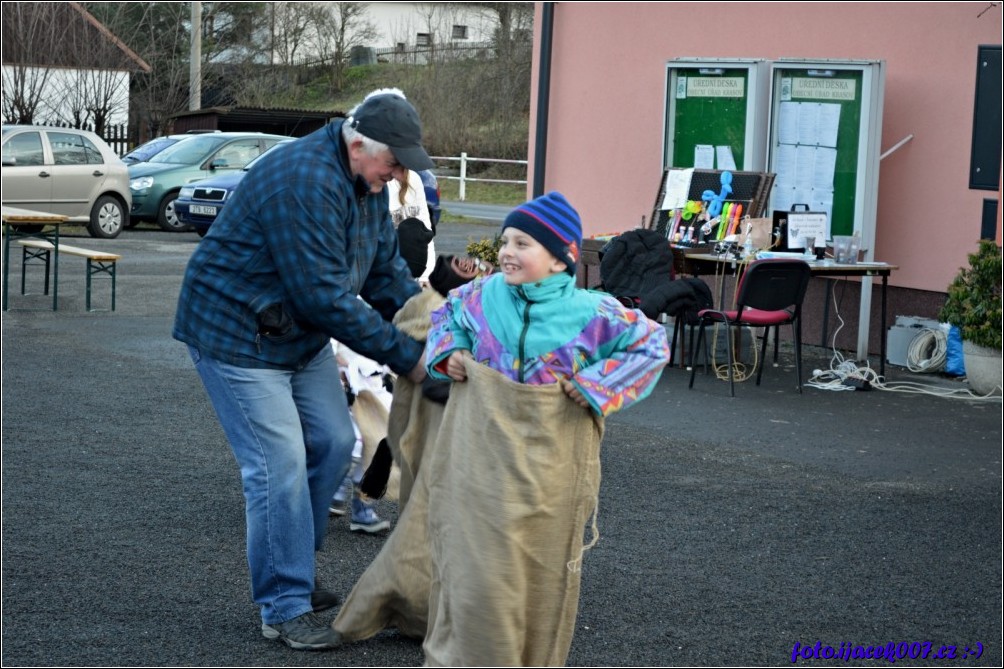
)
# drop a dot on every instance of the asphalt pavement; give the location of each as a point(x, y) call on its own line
point(484, 213)
point(731, 529)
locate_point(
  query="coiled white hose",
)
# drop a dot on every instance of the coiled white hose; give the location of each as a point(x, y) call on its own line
point(928, 351)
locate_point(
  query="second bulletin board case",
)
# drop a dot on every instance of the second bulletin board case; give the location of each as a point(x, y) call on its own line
point(824, 142)
point(716, 102)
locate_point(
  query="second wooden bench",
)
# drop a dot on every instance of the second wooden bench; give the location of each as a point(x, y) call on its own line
point(98, 262)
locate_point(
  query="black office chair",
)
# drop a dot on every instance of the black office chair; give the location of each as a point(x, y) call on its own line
point(685, 317)
point(770, 294)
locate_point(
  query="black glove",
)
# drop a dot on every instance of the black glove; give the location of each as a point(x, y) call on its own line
point(436, 390)
point(374, 482)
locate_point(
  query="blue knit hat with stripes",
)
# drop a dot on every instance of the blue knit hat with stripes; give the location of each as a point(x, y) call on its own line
point(554, 223)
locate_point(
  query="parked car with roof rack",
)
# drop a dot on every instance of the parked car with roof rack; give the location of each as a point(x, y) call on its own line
point(155, 183)
point(69, 172)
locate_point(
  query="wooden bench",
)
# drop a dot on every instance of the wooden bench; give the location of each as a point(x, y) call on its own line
point(98, 262)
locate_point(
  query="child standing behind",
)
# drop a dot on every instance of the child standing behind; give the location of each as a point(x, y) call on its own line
point(520, 477)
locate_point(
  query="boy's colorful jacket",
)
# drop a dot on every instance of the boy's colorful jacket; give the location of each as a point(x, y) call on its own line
point(548, 331)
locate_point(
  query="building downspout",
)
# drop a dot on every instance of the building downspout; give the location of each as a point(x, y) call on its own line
point(543, 98)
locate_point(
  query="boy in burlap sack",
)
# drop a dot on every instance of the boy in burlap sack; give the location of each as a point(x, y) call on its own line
point(516, 475)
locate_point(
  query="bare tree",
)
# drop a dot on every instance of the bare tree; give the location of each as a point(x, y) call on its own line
point(291, 29)
point(338, 28)
point(256, 82)
point(102, 64)
point(235, 32)
point(159, 33)
point(261, 76)
point(62, 48)
point(471, 96)
point(92, 98)
point(515, 20)
point(30, 38)
point(480, 98)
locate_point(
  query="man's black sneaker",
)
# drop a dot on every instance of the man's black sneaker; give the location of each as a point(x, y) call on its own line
point(306, 632)
point(322, 600)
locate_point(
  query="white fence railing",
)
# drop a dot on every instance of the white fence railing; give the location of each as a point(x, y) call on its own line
point(463, 178)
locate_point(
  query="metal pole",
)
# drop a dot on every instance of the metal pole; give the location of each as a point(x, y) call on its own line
point(896, 146)
point(543, 99)
point(195, 60)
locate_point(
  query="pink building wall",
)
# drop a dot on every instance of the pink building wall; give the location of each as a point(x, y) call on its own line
point(607, 97)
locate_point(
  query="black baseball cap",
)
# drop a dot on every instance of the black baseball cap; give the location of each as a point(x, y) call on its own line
point(391, 120)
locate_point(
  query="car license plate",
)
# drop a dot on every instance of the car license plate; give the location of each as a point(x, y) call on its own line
point(202, 210)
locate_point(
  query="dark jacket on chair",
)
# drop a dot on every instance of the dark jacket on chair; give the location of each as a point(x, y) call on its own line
point(638, 265)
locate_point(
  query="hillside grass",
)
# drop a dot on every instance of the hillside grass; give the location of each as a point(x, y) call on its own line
point(478, 107)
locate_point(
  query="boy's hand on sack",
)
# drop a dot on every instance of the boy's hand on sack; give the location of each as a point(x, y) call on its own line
point(574, 393)
point(455, 366)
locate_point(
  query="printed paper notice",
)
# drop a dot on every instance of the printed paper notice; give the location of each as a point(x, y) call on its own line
point(805, 158)
point(787, 123)
point(808, 224)
point(704, 157)
point(677, 189)
point(829, 123)
point(726, 161)
point(808, 123)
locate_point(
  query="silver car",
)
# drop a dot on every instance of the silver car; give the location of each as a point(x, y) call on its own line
point(69, 172)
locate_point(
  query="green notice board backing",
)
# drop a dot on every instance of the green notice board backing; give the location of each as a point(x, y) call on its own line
point(824, 141)
point(716, 113)
point(825, 130)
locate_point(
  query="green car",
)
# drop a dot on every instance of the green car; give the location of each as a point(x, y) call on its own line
point(155, 183)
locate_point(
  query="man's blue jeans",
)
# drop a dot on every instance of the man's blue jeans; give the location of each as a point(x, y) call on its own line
point(292, 436)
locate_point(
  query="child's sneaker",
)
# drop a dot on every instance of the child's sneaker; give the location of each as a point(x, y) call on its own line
point(340, 502)
point(365, 519)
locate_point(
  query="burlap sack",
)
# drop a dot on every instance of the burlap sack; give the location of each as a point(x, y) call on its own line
point(372, 418)
point(394, 589)
point(414, 421)
point(511, 488)
point(412, 429)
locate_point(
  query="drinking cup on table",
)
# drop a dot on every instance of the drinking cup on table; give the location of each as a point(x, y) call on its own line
point(810, 248)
